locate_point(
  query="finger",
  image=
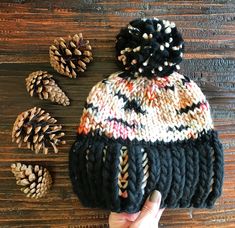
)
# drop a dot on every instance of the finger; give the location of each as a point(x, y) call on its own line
point(116, 220)
point(130, 217)
point(121, 220)
point(121, 223)
point(159, 214)
point(151, 206)
point(120, 217)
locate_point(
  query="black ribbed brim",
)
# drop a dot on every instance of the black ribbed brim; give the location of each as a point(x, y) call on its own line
point(188, 173)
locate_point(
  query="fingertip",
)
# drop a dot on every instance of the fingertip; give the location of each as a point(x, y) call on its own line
point(151, 207)
point(155, 196)
point(152, 204)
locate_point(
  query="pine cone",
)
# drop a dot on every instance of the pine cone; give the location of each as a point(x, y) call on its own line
point(42, 84)
point(36, 180)
point(37, 129)
point(71, 56)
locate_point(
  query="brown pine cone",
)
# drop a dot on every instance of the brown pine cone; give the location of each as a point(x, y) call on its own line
point(42, 84)
point(69, 57)
point(35, 180)
point(37, 129)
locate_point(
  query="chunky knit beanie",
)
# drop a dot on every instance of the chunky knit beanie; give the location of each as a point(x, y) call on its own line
point(145, 128)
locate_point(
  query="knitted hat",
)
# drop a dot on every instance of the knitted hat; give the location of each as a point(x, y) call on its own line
point(145, 128)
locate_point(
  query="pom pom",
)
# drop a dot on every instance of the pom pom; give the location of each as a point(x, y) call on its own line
point(150, 48)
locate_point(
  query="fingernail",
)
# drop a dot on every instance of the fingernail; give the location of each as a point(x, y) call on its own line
point(154, 196)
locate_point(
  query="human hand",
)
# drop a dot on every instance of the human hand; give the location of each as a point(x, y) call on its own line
point(149, 216)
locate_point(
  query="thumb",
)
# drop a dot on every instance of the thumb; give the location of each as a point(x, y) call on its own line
point(151, 206)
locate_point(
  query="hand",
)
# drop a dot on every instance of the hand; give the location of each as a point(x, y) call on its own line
point(148, 217)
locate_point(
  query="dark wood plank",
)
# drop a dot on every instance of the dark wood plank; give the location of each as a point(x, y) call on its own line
point(27, 29)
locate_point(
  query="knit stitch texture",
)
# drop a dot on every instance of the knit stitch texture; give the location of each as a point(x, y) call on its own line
point(140, 132)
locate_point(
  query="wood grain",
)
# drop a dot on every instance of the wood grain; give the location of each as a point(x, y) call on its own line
point(27, 28)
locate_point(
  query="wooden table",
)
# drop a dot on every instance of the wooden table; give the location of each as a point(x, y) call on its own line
point(27, 28)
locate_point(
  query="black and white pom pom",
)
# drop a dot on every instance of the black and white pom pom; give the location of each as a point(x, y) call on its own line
point(150, 48)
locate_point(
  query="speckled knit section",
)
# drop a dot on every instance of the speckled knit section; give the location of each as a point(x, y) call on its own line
point(166, 109)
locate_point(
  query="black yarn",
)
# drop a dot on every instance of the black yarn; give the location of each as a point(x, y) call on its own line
point(154, 169)
point(153, 49)
point(135, 170)
point(210, 163)
point(189, 108)
point(98, 169)
point(94, 169)
point(179, 128)
point(90, 105)
point(165, 179)
point(140, 173)
point(195, 162)
point(172, 88)
point(125, 123)
point(121, 96)
point(134, 105)
point(218, 171)
point(130, 104)
point(178, 175)
point(191, 173)
point(75, 174)
point(77, 166)
point(90, 157)
point(205, 175)
point(132, 180)
point(185, 80)
point(106, 176)
point(114, 150)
